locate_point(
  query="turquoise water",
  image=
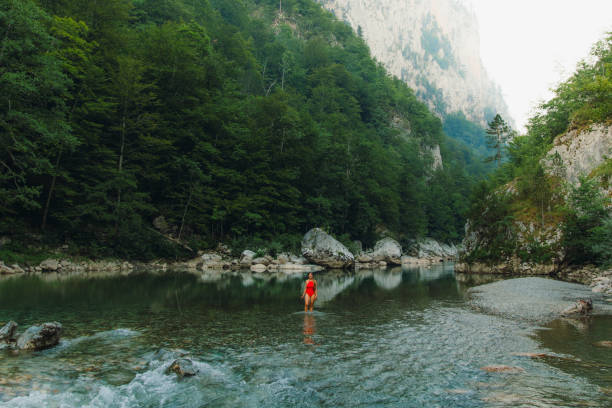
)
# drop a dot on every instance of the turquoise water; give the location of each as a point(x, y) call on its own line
point(388, 338)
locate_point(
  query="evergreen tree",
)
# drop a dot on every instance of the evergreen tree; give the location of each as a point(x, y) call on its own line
point(498, 134)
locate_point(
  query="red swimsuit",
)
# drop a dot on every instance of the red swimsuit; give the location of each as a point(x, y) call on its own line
point(310, 288)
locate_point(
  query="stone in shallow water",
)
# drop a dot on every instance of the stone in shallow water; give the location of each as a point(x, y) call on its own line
point(603, 343)
point(183, 367)
point(498, 368)
point(7, 333)
point(40, 337)
point(532, 355)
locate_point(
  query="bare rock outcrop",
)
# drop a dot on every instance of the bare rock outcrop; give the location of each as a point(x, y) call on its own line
point(322, 249)
point(577, 153)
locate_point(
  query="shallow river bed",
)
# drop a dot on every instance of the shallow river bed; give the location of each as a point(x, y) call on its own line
point(389, 338)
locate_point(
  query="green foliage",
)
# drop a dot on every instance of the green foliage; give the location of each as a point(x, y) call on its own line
point(498, 133)
point(231, 120)
point(538, 197)
point(587, 226)
point(602, 244)
point(491, 213)
point(581, 100)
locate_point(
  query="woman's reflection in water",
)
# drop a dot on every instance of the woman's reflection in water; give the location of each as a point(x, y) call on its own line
point(310, 328)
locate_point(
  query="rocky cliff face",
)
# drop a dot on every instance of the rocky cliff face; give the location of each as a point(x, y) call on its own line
point(433, 45)
point(577, 153)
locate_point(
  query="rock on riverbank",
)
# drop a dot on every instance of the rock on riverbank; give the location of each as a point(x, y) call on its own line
point(322, 249)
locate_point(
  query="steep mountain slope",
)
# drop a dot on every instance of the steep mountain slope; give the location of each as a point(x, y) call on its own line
point(434, 46)
point(232, 120)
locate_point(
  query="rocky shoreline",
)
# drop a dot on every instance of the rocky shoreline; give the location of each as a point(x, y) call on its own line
point(319, 251)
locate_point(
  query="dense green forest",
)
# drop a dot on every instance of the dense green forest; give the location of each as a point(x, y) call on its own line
point(524, 189)
point(236, 121)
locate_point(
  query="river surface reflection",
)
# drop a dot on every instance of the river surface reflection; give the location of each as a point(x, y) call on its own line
point(390, 338)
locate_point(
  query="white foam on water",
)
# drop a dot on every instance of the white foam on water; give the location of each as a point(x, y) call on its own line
point(108, 335)
point(152, 388)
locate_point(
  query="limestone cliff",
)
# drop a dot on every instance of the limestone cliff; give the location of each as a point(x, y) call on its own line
point(578, 153)
point(433, 45)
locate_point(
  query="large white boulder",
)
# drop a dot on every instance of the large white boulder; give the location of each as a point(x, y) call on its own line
point(387, 250)
point(246, 258)
point(320, 248)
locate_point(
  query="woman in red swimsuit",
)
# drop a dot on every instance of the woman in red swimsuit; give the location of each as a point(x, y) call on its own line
point(310, 293)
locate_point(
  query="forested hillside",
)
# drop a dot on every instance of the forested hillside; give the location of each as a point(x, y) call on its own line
point(236, 121)
point(537, 207)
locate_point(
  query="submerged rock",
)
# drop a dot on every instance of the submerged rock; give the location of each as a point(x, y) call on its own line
point(183, 367)
point(321, 248)
point(603, 343)
point(7, 333)
point(498, 368)
point(40, 337)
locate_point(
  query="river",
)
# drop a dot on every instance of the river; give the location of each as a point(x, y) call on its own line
point(384, 338)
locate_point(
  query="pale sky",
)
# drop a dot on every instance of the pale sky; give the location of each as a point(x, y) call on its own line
point(529, 46)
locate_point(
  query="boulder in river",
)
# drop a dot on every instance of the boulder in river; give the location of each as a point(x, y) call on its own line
point(246, 258)
point(7, 333)
point(50, 265)
point(40, 337)
point(322, 249)
point(258, 268)
point(183, 367)
point(387, 250)
point(6, 270)
point(582, 306)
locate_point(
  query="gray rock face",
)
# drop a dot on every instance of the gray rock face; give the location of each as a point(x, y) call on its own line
point(387, 250)
point(183, 367)
point(430, 248)
point(428, 44)
point(7, 333)
point(576, 154)
point(322, 249)
point(40, 337)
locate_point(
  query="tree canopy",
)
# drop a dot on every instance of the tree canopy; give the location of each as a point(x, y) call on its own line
point(231, 119)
